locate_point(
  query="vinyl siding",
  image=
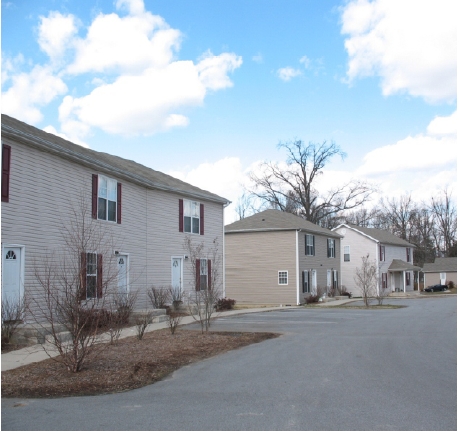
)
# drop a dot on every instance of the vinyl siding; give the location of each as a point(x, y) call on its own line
point(43, 190)
point(253, 260)
point(320, 262)
point(432, 278)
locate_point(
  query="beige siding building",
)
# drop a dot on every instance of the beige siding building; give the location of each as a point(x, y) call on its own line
point(443, 270)
point(275, 258)
point(147, 214)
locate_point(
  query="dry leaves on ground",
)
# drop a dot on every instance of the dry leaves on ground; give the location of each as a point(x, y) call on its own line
point(126, 365)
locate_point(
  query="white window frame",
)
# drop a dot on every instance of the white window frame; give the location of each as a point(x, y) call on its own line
point(282, 276)
point(203, 274)
point(306, 282)
point(93, 275)
point(335, 282)
point(109, 194)
point(348, 254)
point(310, 250)
point(331, 248)
point(408, 255)
point(192, 210)
point(382, 253)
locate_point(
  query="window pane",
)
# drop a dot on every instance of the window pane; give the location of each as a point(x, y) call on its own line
point(112, 210)
point(196, 225)
point(187, 207)
point(195, 209)
point(91, 286)
point(187, 221)
point(102, 187)
point(102, 209)
point(111, 194)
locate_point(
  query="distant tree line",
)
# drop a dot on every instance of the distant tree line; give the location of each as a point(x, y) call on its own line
point(291, 187)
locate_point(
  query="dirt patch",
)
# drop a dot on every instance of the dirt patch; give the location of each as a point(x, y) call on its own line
point(127, 365)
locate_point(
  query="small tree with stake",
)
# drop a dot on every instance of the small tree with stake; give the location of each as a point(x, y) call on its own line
point(206, 284)
point(365, 278)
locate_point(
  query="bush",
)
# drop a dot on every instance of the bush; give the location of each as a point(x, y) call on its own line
point(159, 297)
point(450, 285)
point(344, 293)
point(312, 299)
point(223, 304)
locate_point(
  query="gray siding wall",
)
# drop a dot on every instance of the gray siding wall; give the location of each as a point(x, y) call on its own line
point(253, 260)
point(44, 189)
point(432, 278)
point(320, 262)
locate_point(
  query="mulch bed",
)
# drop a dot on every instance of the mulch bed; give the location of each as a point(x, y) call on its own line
point(126, 365)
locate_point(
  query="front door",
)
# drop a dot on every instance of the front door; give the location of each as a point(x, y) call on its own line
point(122, 261)
point(177, 273)
point(11, 280)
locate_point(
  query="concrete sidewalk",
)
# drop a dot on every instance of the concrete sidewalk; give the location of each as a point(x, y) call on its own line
point(39, 352)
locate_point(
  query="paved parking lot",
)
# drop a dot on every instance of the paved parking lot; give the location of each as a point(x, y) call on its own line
point(332, 369)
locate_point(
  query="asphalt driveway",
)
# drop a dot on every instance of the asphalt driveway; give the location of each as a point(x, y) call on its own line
point(332, 369)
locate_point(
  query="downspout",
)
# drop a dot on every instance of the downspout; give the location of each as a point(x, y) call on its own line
point(297, 272)
point(225, 205)
point(377, 266)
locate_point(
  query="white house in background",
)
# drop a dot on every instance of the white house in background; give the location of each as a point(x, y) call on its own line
point(148, 212)
point(393, 257)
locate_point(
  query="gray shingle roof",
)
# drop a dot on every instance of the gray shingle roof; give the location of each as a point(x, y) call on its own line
point(441, 264)
point(130, 170)
point(381, 236)
point(400, 265)
point(270, 220)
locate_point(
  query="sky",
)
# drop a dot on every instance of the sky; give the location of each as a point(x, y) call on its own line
point(204, 90)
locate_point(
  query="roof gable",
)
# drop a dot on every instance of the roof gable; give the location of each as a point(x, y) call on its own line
point(22, 132)
point(272, 219)
point(377, 235)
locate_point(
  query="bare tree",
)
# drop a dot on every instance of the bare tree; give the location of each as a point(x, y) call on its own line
point(76, 289)
point(245, 206)
point(12, 316)
point(159, 296)
point(290, 187)
point(365, 278)
point(445, 215)
point(205, 264)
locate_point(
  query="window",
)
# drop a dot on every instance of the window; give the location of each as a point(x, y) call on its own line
point(309, 240)
point(329, 274)
point(382, 253)
point(335, 279)
point(408, 278)
point(347, 253)
point(306, 282)
point(330, 247)
point(408, 255)
point(283, 278)
point(191, 217)
point(384, 280)
point(203, 274)
point(106, 199)
point(6, 163)
point(91, 276)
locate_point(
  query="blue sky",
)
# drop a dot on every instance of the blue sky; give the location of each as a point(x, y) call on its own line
point(205, 90)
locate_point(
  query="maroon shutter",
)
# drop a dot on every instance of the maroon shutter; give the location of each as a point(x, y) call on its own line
point(198, 275)
point(6, 163)
point(201, 219)
point(99, 276)
point(209, 275)
point(82, 288)
point(118, 203)
point(180, 214)
point(94, 195)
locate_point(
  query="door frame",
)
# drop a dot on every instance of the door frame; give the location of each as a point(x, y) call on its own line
point(21, 265)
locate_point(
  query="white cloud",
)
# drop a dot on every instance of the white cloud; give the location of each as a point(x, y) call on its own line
point(55, 33)
point(444, 125)
point(411, 45)
point(213, 70)
point(52, 130)
point(287, 73)
point(29, 91)
point(305, 61)
point(134, 7)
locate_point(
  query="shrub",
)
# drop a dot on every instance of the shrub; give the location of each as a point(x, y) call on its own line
point(223, 304)
point(312, 299)
point(173, 320)
point(159, 297)
point(12, 313)
point(450, 285)
point(344, 293)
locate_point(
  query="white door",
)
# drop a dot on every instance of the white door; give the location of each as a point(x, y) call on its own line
point(122, 261)
point(314, 281)
point(442, 277)
point(11, 281)
point(177, 273)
